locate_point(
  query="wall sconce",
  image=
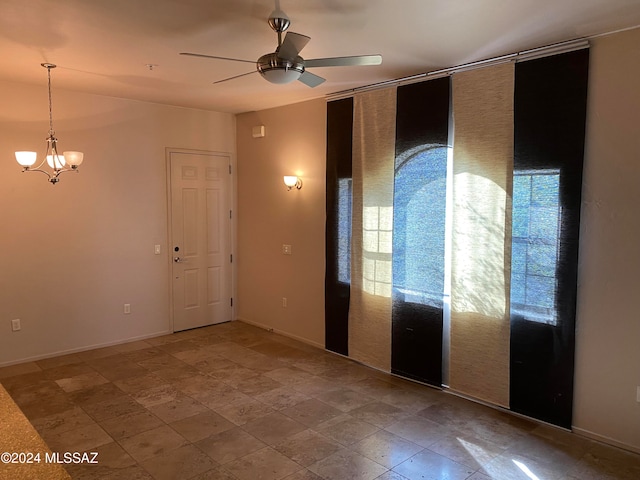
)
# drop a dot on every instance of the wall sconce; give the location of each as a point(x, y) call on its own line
point(292, 181)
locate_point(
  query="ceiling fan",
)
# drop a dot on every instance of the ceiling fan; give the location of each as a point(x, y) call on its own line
point(285, 64)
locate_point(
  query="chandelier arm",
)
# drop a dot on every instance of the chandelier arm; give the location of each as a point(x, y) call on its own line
point(57, 172)
point(29, 169)
point(38, 167)
point(67, 169)
point(52, 178)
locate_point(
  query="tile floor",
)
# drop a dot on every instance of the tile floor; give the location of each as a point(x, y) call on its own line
point(233, 401)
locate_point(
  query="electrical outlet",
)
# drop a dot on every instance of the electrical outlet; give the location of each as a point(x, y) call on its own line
point(127, 308)
point(286, 249)
point(15, 325)
point(284, 302)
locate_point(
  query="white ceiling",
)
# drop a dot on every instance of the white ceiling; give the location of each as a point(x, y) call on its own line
point(103, 46)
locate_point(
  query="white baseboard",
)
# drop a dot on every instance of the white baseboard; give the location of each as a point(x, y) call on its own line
point(281, 332)
point(575, 430)
point(604, 439)
point(83, 349)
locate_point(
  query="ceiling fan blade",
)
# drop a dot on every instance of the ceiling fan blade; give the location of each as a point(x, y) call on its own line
point(344, 61)
point(234, 77)
point(217, 58)
point(310, 80)
point(292, 45)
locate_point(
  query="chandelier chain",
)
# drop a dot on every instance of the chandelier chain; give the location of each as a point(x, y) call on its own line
point(51, 132)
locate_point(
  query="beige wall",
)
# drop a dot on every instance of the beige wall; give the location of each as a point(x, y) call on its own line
point(608, 324)
point(72, 254)
point(270, 216)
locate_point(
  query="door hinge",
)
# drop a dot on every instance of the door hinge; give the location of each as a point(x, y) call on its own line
point(232, 301)
point(230, 214)
point(231, 258)
point(229, 169)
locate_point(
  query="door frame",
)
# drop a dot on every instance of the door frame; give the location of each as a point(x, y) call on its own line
point(233, 224)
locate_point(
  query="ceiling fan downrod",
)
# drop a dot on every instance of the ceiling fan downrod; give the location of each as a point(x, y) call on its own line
point(279, 22)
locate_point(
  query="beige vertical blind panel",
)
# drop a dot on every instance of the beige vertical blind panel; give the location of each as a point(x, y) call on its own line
point(481, 234)
point(374, 134)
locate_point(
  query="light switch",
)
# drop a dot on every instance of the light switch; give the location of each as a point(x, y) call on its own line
point(157, 250)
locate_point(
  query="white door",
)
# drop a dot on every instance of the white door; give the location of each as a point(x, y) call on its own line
point(200, 191)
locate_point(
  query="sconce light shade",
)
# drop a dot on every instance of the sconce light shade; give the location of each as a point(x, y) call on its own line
point(292, 181)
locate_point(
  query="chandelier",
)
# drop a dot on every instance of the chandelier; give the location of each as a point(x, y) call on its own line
point(67, 162)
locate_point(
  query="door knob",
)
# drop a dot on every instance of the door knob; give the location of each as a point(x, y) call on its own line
point(177, 259)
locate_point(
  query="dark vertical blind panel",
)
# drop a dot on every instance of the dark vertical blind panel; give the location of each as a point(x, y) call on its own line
point(338, 226)
point(422, 125)
point(422, 115)
point(549, 129)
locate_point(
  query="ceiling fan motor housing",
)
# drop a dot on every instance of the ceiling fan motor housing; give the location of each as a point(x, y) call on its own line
point(280, 70)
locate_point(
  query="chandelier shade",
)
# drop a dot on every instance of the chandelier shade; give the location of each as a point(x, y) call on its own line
point(26, 159)
point(56, 161)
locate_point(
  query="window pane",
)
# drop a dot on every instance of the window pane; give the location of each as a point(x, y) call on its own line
point(540, 291)
point(535, 220)
point(541, 260)
point(518, 288)
point(344, 230)
point(544, 190)
point(522, 190)
point(544, 223)
point(520, 222)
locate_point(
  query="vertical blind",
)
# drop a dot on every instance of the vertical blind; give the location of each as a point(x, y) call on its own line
point(419, 217)
point(372, 225)
point(482, 166)
point(549, 129)
point(509, 217)
point(338, 225)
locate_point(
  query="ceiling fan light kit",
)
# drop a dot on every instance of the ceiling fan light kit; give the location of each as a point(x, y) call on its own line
point(280, 70)
point(285, 65)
